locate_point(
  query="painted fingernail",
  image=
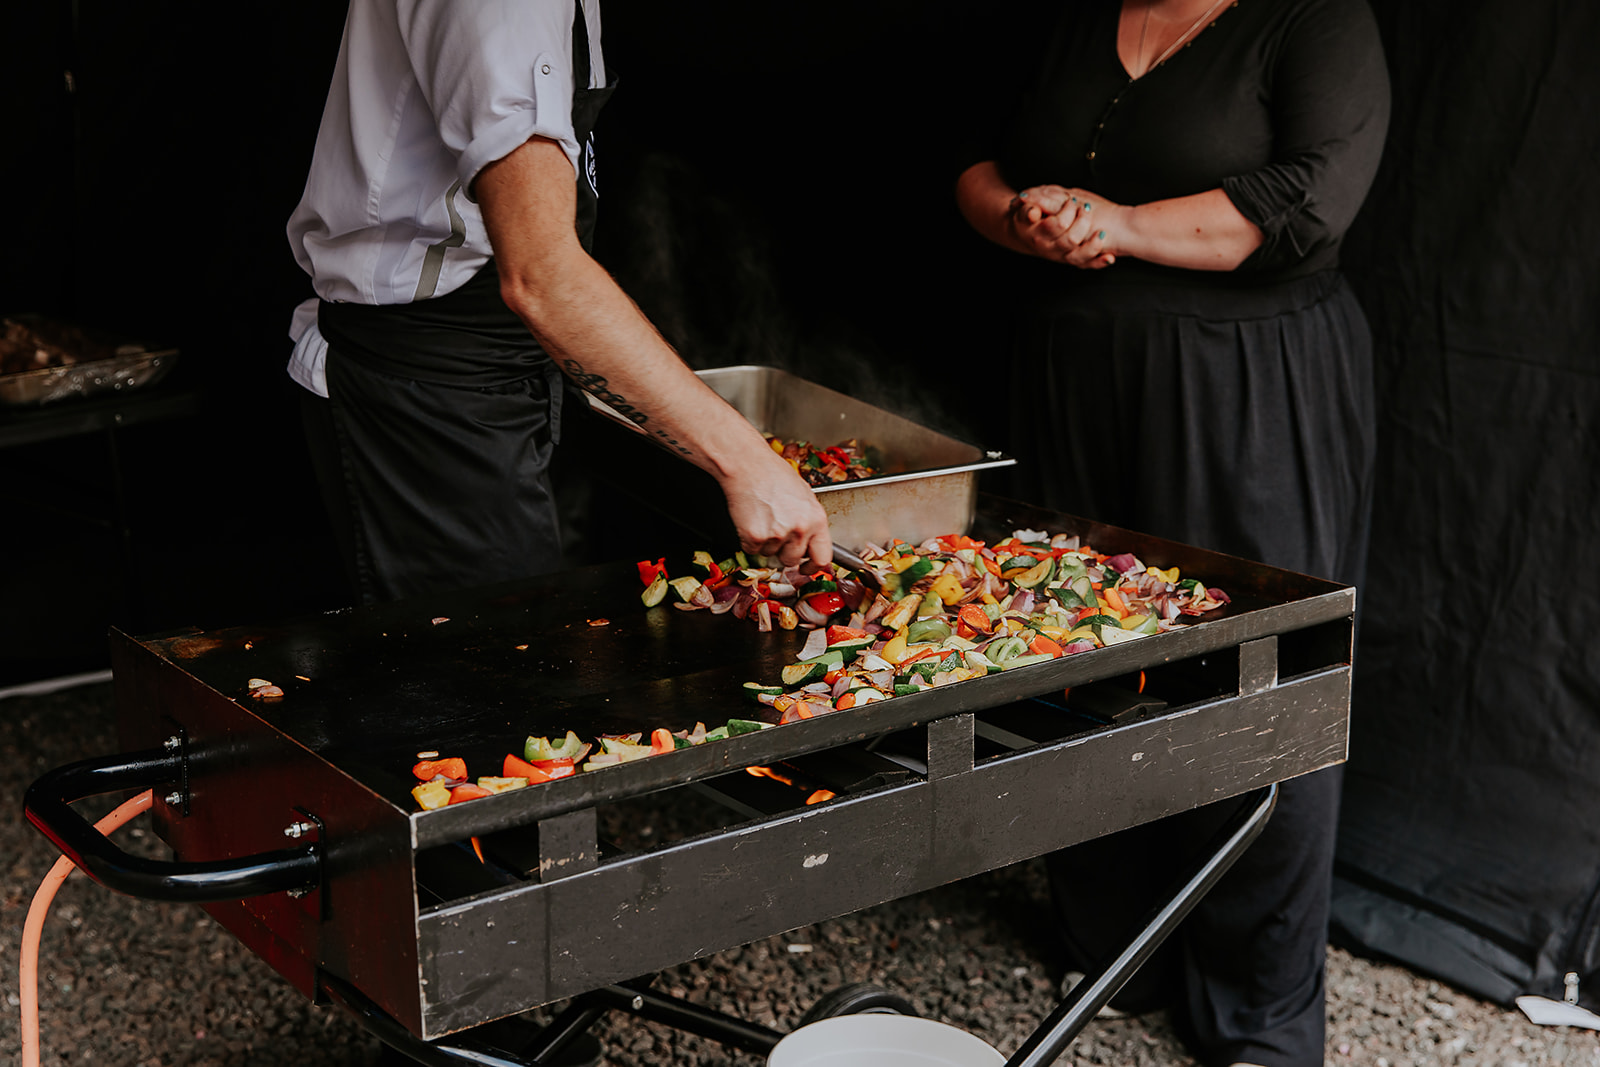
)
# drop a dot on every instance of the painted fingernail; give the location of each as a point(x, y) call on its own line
point(1088, 206)
point(1022, 195)
point(1102, 235)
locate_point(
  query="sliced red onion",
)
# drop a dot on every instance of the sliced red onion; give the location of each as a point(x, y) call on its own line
point(875, 610)
point(1123, 562)
point(780, 590)
point(1219, 596)
point(1082, 644)
point(722, 607)
point(810, 614)
point(764, 617)
point(1022, 602)
point(816, 644)
point(841, 686)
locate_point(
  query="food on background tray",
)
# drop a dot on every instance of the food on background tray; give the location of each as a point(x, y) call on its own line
point(843, 462)
point(33, 343)
point(952, 609)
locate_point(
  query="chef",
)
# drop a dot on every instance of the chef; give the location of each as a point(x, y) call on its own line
point(446, 224)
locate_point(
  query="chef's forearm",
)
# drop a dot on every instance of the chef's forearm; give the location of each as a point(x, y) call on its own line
point(595, 333)
point(604, 343)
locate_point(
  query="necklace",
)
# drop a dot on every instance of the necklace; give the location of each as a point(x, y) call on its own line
point(1182, 37)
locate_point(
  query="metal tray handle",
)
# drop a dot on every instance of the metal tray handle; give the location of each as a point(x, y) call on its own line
point(47, 805)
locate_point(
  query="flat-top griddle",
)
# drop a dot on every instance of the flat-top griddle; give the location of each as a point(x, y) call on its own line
point(392, 905)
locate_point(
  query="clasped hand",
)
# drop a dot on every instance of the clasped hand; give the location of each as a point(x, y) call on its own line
point(1071, 226)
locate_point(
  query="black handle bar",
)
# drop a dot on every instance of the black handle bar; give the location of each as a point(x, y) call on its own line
point(47, 805)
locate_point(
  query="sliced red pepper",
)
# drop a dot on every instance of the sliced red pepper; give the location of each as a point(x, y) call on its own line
point(648, 570)
point(826, 603)
point(516, 767)
point(975, 619)
point(845, 633)
point(557, 768)
point(427, 770)
point(467, 792)
point(661, 740)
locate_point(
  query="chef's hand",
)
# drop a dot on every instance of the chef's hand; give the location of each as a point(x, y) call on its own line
point(776, 512)
point(1066, 225)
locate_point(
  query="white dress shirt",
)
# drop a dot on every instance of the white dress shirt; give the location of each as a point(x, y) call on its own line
point(425, 94)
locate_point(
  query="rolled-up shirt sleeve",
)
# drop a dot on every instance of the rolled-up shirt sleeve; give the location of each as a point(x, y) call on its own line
point(495, 74)
point(1330, 114)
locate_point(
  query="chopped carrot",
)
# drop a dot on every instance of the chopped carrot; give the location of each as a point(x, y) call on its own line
point(1044, 646)
point(1114, 598)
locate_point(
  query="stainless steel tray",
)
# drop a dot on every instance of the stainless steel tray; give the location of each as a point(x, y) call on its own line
point(120, 373)
point(929, 483)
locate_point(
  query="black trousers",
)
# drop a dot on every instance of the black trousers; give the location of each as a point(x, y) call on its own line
point(1240, 420)
point(435, 487)
point(1244, 974)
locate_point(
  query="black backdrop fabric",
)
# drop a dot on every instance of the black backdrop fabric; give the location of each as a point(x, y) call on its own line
point(1470, 843)
point(777, 188)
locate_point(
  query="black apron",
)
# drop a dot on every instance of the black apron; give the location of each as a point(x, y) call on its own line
point(434, 446)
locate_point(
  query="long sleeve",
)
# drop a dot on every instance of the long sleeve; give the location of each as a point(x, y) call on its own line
point(1330, 113)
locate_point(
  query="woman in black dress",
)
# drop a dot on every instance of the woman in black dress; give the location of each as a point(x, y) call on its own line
point(1191, 364)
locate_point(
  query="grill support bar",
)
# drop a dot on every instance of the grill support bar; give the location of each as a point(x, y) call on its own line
point(1063, 1025)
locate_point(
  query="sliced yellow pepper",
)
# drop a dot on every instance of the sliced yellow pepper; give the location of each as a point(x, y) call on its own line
point(432, 795)
point(1169, 575)
point(947, 587)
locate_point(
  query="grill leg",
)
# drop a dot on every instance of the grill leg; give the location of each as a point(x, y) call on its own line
point(462, 1049)
point(682, 1015)
point(1090, 995)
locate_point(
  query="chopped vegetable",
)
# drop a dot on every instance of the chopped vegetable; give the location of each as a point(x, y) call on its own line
point(454, 769)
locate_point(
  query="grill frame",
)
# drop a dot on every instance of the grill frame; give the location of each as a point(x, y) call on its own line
point(253, 770)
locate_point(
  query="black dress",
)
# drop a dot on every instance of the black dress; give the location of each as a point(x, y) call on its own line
point(1232, 410)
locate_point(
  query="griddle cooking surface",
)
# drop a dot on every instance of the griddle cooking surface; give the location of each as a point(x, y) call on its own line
point(366, 689)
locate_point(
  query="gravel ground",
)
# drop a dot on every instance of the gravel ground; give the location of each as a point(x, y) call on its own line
point(128, 982)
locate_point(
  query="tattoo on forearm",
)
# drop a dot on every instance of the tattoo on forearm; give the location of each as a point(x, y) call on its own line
point(597, 386)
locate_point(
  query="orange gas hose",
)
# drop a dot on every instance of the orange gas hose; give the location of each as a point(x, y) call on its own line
point(33, 928)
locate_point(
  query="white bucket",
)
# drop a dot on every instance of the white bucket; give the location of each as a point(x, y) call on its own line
point(883, 1040)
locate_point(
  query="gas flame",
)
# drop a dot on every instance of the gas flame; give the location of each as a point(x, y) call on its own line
point(768, 772)
point(817, 796)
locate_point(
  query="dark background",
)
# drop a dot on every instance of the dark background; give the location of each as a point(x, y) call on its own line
point(776, 188)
